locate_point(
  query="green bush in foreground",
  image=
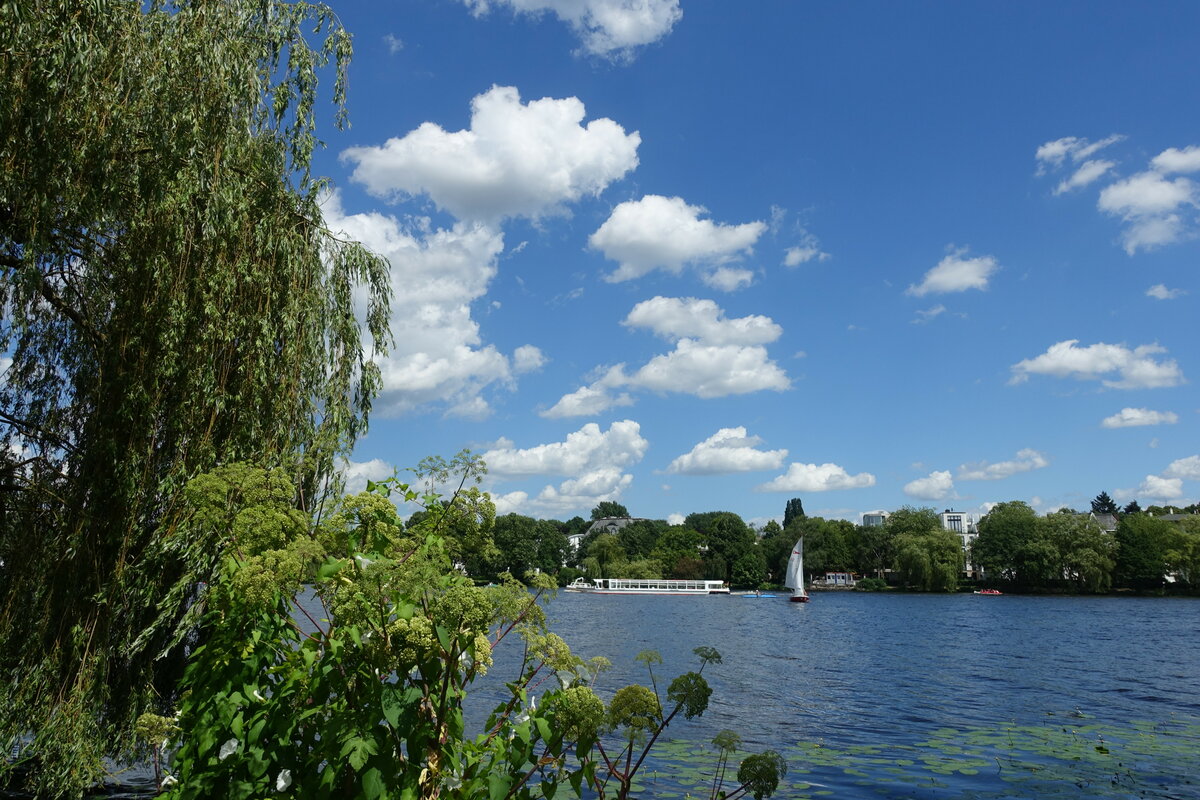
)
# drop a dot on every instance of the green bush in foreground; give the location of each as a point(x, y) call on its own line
point(369, 703)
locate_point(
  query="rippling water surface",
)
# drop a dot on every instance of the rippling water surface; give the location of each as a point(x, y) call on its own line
point(870, 695)
point(918, 696)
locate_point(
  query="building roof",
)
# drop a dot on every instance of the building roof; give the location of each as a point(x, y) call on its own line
point(613, 523)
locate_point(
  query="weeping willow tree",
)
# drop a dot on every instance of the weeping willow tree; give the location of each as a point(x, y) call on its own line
point(170, 301)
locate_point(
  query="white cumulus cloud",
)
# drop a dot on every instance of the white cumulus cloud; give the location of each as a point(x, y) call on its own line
point(1150, 205)
point(795, 256)
point(355, 474)
point(585, 450)
point(1160, 488)
point(571, 496)
point(710, 371)
point(728, 279)
point(1175, 160)
point(956, 273)
point(675, 318)
point(592, 462)
point(509, 502)
point(1155, 209)
point(937, 486)
point(809, 249)
point(609, 28)
point(515, 160)
point(1025, 461)
point(713, 357)
point(1159, 291)
point(528, 358)
point(587, 401)
point(1185, 468)
point(585, 491)
point(1134, 369)
point(439, 358)
point(666, 233)
point(1135, 417)
point(816, 478)
point(727, 451)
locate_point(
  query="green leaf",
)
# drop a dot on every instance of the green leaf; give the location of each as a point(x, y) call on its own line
point(357, 750)
point(498, 786)
point(443, 638)
point(372, 783)
point(395, 701)
point(330, 568)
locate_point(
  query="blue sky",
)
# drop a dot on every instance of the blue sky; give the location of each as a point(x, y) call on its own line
point(706, 255)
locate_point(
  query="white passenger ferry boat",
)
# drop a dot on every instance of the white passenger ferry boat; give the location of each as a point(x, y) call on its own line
point(646, 586)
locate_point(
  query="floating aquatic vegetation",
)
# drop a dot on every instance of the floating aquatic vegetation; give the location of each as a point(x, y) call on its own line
point(1064, 757)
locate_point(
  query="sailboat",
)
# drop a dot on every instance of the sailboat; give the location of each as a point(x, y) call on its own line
point(794, 579)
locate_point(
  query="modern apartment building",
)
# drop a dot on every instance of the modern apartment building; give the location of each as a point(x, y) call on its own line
point(963, 524)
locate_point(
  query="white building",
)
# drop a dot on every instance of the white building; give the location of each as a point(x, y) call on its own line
point(964, 525)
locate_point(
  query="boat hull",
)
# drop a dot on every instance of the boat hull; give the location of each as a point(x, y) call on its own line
point(654, 591)
point(800, 599)
point(649, 586)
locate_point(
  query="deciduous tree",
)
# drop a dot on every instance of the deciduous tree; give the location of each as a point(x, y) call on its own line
point(608, 508)
point(726, 535)
point(171, 300)
point(1142, 545)
point(875, 549)
point(930, 561)
point(1003, 531)
point(828, 544)
point(1086, 554)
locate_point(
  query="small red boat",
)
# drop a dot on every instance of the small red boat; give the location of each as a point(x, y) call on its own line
point(988, 591)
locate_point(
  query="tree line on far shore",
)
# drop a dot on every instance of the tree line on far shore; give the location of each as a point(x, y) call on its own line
point(1066, 550)
point(1061, 551)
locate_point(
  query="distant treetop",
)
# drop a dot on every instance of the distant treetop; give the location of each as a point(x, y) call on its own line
point(607, 508)
point(792, 511)
point(1103, 504)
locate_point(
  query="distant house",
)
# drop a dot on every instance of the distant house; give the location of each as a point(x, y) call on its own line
point(963, 524)
point(1107, 522)
point(875, 519)
point(603, 525)
point(836, 579)
point(1175, 518)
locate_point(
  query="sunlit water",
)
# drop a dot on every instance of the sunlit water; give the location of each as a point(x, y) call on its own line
point(923, 696)
point(919, 696)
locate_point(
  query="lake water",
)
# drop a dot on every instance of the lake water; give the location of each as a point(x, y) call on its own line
point(910, 696)
point(922, 696)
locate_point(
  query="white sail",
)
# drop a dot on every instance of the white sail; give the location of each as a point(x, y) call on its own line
point(794, 579)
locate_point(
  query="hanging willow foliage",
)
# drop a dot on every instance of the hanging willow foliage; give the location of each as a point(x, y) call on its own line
point(170, 301)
